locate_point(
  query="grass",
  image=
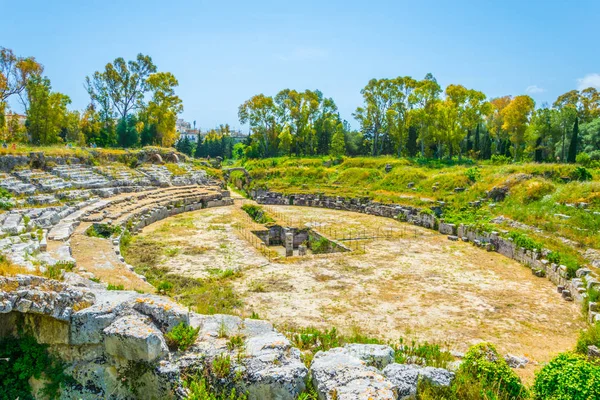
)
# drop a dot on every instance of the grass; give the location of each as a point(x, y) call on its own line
point(310, 340)
point(212, 295)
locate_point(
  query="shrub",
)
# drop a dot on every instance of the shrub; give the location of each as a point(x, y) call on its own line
point(319, 245)
point(221, 366)
point(588, 337)
point(164, 287)
point(182, 337)
point(483, 363)
point(27, 359)
point(568, 377)
point(115, 287)
point(5, 193)
point(500, 159)
point(199, 389)
point(473, 174)
point(522, 240)
point(583, 159)
point(581, 174)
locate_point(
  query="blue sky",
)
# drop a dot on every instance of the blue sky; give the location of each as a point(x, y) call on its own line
point(223, 52)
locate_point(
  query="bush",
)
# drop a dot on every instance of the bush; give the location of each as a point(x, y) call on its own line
point(483, 364)
point(182, 337)
point(27, 359)
point(500, 159)
point(164, 287)
point(199, 389)
point(568, 377)
point(221, 366)
point(473, 174)
point(522, 240)
point(581, 174)
point(588, 337)
point(319, 245)
point(115, 287)
point(583, 159)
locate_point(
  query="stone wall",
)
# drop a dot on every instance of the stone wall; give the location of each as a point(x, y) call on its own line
point(571, 289)
point(113, 344)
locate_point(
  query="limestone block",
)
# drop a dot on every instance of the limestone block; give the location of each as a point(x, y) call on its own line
point(165, 313)
point(405, 377)
point(338, 375)
point(375, 355)
point(135, 338)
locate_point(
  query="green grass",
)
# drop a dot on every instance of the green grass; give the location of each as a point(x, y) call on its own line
point(310, 340)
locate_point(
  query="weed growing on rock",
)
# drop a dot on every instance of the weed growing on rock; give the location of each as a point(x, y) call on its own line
point(199, 389)
point(483, 363)
point(115, 287)
point(421, 353)
point(221, 366)
point(235, 342)
point(182, 337)
point(103, 231)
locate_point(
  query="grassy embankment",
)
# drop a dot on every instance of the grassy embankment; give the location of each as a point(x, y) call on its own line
point(558, 200)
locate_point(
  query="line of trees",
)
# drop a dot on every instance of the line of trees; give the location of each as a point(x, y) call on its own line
point(131, 104)
point(408, 117)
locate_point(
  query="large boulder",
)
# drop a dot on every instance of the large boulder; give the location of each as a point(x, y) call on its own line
point(406, 377)
point(135, 338)
point(339, 375)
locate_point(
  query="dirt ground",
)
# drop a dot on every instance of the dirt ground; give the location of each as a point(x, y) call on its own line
point(413, 284)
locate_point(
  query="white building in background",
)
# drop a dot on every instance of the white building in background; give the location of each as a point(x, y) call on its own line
point(190, 134)
point(185, 130)
point(181, 126)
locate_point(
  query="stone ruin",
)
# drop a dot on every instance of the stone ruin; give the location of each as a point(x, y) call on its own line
point(570, 288)
point(103, 336)
point(295, 241)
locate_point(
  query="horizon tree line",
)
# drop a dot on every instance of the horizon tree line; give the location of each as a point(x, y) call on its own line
point(133, 104)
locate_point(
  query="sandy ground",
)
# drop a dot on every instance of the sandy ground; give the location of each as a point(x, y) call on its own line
point(414, 284)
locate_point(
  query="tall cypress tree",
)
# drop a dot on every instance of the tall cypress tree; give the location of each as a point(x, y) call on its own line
point(476, 143)
point(572, 156)
point(200, 148)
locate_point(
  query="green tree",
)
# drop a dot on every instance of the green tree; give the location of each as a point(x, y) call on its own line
point(516, 117)
point(15, 72)
point(162, 110)
point(185, 146)
point(127, 132)
point(261, 113)
point(338, 142)
point(47, 111)
point(285, 141)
